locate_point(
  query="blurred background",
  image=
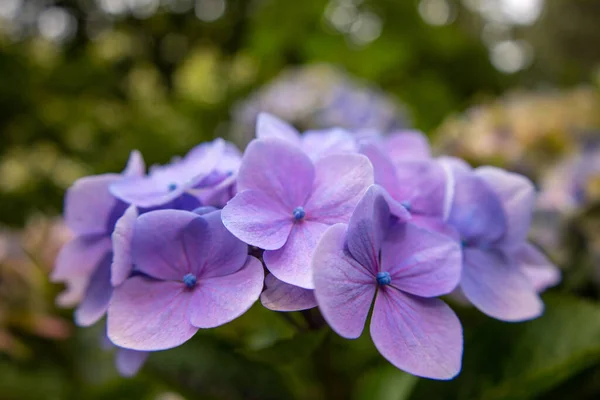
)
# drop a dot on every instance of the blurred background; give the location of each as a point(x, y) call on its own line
point(512, 83)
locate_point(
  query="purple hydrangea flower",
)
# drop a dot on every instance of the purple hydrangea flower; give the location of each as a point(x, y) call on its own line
point(91, 212)
point(173, 182)
point(403, 166)
point(191, 273)
point(403, 267)
point(315, 143)
point(286, 202)
point(219, 187)
point(502, 273)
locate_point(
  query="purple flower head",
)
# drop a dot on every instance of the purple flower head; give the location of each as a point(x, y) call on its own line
point(492, 211)
point(404, 167)
point(191, 273)
point(169, 183)
point(286, 201)
point(315, 143)
point(91, 212)
point(219, 186)
point(403, 267)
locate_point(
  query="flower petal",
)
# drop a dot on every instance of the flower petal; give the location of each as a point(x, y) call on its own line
point(540, 271)
point(257, 219)
point(476, 211)
point(517, 196)
point(341, 181)
point(160, 243)
point(292, 263)
point(344, 289)
point(383, 168)
point(221, 299)
point(218, 253)
point(135, 165)
point(129, 362)
point(97, 295)
point(321, 143)
point(422, 184)
point(367, 229)
point(278, 170)
point(420, 336)
point(497, 286)
point(269, 126)
point(421, 262)
point(281, 296)
point(75, 264)
point(122, 264)
point(149, 315)
point(407, 145)
point(89, 205)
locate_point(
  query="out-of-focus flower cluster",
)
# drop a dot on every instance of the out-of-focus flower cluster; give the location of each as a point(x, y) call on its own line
point(26, 257)
point(336, 220)
point(316, 97)
point(523, 131)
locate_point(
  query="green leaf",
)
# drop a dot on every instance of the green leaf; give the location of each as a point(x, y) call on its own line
point(288, 351)
point(385, 383)
point(522, 360)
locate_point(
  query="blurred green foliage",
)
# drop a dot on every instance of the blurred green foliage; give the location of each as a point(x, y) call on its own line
point(167, 82)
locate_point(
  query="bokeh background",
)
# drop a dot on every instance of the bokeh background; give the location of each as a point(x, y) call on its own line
point(512, 83)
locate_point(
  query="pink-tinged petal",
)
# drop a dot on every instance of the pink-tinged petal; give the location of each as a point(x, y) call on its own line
point(292, 263)
point(279, 170)
point(420, 336)
point(148, 315)
point(344, 289)
point(257, 219)
point(129, 362)
point(218, 254)
point(97, 295)
point(164, 243)
point(404, 146)
point(75, 264)
point(476, 210)
point(269, 126)
point(421, 262)
point(422, 185)
point(89, 204)
point(341, 181)
point(135, 165)
point(498, 287)
point(122, 263)
point(367, 229)
point(322, 143)
point(281, 296)
point(517, 195)
point(222, 299)
point(540, 271)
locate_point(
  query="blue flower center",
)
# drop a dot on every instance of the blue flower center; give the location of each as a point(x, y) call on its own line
point(299, 213)
point(383, 278)
point(190, 280)
point(406, 204)
point(172, 186)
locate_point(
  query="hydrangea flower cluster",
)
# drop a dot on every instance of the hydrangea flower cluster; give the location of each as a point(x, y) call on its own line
point(329, 219)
